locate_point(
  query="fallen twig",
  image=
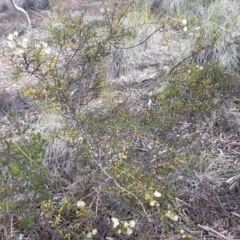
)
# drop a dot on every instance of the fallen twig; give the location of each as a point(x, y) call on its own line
point(214, 232)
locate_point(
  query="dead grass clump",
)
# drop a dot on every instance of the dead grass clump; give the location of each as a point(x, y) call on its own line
point(4, 6)
point(16, 104)
point(219, 32)
point(60, 160)
point(26, 4)
point(208, 183)
point(35, 4)
point(211, 198)
point(184, 6)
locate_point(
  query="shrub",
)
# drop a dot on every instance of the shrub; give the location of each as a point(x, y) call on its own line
point(23, 182)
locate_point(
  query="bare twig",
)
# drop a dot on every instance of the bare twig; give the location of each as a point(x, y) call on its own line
point(233, 182)
point(145, 40)
point(175, 237)
point(11, 227)
point(235, 214)
point(210, 230)
point(123, 189)
point(186, 58)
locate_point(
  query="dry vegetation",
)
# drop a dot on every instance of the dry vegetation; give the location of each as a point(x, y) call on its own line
point(120, 120)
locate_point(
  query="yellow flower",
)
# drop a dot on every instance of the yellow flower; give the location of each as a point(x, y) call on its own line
point(90, 234)
point(172, 216)
point(81, 204)
point(94, 231)
point(125, 225)
point(115, 222)
point(132, 224)
point(147, 196)
point(157, 194)
point(18, 51)
point(12, 44)
point(129, 231)
point(182, 231)
point(13, 36)
point(153, 203)
point(184, 22)
point(24, 43)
